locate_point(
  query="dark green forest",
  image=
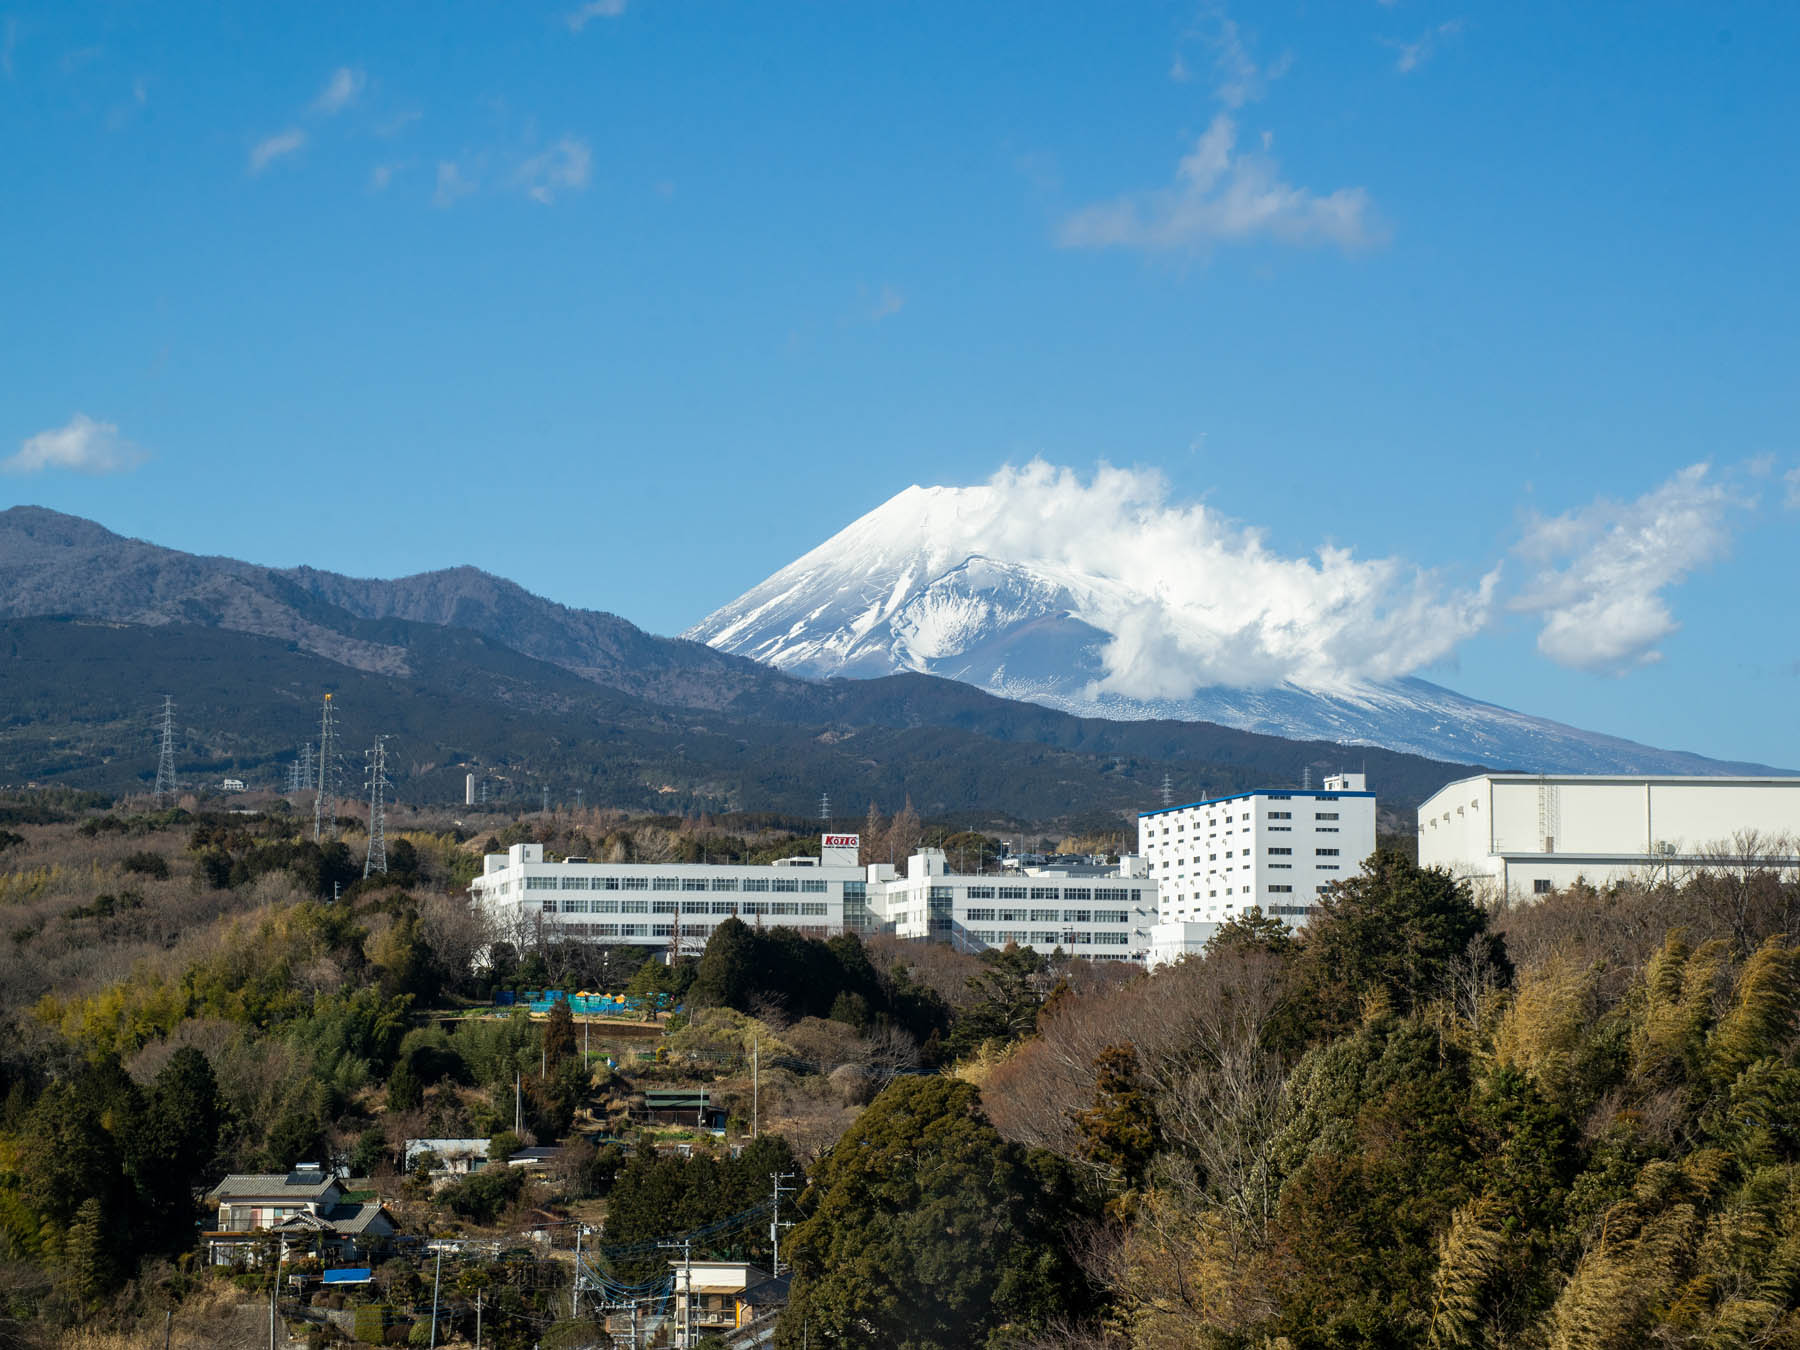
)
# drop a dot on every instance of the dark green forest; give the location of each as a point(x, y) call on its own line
point(246, 704)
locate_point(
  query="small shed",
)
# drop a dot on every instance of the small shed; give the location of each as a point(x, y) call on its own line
point(683, 1106)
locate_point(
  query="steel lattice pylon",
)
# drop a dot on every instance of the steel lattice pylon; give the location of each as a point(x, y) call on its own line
point(378, 785)
point(165, 760)
point(325, 801)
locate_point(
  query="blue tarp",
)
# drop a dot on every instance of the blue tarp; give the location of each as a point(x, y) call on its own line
point(349, 1275)
point(582, 1005)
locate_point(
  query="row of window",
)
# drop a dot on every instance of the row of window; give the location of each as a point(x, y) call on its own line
point(1049, 916)
point(1044, 940)
point(1050, 893)
point(791, 884)
point(575, 905)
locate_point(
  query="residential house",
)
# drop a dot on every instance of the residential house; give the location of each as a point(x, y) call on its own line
point(718, 1296)
point(305, 1210)
point(455, 1157)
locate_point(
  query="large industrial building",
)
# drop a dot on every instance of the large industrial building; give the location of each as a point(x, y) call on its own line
point(1098, 912)
point(1517, 834)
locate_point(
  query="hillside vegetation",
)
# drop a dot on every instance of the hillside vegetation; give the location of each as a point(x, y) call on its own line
point(79, 698)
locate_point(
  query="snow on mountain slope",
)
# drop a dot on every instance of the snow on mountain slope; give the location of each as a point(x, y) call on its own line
point(1099, 600)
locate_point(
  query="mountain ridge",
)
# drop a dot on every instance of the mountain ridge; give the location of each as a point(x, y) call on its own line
point(630, 714)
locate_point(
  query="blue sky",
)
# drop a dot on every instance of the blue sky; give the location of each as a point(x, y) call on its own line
point(634, 302)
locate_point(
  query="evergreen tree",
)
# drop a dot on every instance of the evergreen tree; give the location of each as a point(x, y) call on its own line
point(559, 1032)
point(1393, 932)
point(87, 1253)
point(924, 1231)
point(724, 978)
point(1118, 1132)
point(404, 1090)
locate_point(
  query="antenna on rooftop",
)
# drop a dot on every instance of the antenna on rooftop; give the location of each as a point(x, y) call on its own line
point(165, 758)
point(325, 801)
point(378, 784)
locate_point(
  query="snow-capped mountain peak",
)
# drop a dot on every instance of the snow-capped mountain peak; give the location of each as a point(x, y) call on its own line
point(1098, 599)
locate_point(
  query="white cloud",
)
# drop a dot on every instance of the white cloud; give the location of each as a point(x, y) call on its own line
point(84, 445)
point(1222, 195)
point(340, 91)
point(1191, 598)
point(565, 166)
point(1792, 479)
point(889, 301)
point(451, 185)
point(1603, 570)
point(267, 151)
point(581, 16)
point(1416, 53)
point(1241, 79)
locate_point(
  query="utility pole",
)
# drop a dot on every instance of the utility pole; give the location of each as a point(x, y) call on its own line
point(165, 757)
point(325, 801)
point(755, 1085)
point(518, 1103)
point(687, 1288)
point(275, 1288)
point(378, 784)
point(478, 1318)
point(775, 1224)
point(437, 1278)
point(575, 1284)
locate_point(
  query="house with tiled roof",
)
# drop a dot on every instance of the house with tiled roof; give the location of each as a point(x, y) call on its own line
point(304, 1210)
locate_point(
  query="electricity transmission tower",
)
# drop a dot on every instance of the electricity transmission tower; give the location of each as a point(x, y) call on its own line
point(1168, 790)
point(300, 772)
point(165, 759)
point(325, 802)
point(825, 810)
point(378, 785)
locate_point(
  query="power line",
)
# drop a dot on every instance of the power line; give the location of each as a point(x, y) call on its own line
point(165, 759)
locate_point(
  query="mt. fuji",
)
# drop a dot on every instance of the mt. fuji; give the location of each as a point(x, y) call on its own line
point(1136, 610)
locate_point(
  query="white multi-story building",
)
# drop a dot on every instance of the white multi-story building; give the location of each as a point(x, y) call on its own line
point(1101, 913)
point(644, 904)
point(1518, 834)
point(1276, 849)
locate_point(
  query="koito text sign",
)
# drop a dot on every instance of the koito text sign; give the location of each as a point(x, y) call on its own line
point(842, 840)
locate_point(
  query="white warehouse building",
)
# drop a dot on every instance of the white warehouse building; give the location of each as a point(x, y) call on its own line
point(1275, 849)
point(1104, 914)
point(1517, 834)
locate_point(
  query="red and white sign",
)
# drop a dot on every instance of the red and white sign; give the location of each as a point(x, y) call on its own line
point(841, 840)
